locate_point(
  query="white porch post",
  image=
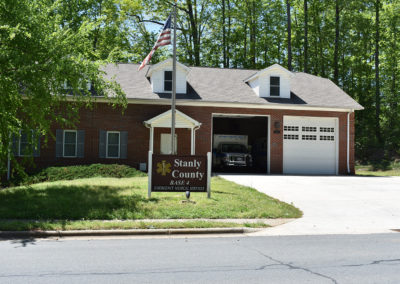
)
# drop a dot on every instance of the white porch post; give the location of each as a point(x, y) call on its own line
point(192, 141)
point(151, 139)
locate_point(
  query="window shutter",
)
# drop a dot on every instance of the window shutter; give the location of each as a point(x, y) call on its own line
point(59, 143)
point(36, 149)
point(102, 144)
point(81, 143)
point(123, 144)
point(15, 145)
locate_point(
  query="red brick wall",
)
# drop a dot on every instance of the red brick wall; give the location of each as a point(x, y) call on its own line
point(103, 117)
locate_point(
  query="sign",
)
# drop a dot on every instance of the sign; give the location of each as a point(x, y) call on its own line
point(172, 173)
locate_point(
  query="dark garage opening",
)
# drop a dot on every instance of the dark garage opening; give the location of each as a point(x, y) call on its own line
point(228, 128)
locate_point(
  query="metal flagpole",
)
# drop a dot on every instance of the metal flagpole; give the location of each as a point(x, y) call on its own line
point(173, 97)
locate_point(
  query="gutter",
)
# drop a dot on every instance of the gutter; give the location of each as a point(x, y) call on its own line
point(184, 102)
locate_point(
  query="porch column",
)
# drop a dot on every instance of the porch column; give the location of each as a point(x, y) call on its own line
point(192, 141)
point(151, 142)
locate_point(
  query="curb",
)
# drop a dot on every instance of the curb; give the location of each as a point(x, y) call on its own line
point(133, 232)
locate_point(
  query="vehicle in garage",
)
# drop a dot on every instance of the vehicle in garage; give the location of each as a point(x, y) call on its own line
point(231, 151)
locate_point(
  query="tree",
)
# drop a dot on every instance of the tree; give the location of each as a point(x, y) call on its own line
point(377, 83)
point(39, 53)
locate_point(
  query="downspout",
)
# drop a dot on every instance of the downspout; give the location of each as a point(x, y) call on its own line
point(348, 142)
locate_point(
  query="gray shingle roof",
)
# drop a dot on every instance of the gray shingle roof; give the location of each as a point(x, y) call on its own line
point(227, 85)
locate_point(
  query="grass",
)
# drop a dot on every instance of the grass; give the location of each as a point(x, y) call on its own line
point(126, 199)
point(393, 169)
point(16, 225)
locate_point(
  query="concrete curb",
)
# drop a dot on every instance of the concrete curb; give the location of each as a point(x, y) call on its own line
point(133, 232)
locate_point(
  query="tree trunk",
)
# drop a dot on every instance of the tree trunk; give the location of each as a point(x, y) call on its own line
point(305, 36)
point(336, 52)
point(377, 83)
point(223, 34)
point(195, 36)
point(96, 31)
point(229, 34)
point(289, 35)
point(252, 34)
point(245, 45)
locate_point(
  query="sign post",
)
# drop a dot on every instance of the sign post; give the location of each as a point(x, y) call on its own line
point(209, 157)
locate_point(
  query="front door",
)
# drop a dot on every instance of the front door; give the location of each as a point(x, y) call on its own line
point(165, 146)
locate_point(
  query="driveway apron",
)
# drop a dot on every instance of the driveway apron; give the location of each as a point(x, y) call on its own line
point(332, 204)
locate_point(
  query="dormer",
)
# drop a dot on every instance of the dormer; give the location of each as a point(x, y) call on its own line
point(161, 77)
point(271, 82)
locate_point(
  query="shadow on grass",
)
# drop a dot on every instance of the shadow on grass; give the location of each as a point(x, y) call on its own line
point(223, 192)
point(70, 203)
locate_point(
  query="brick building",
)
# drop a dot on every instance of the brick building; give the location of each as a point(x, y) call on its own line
point(304, 123)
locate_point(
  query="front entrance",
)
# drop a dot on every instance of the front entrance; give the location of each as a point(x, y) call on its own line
point(165, 143)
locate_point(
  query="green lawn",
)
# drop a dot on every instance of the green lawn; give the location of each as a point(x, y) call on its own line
point(126, 198)
point(16, 225)
point(367, 170)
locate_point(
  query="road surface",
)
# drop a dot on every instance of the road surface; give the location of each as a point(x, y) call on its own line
point(371, 258)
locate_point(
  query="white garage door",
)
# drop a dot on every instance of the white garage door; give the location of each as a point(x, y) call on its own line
point(309, 145)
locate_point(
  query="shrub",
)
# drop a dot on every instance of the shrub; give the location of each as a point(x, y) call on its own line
point(82, 171)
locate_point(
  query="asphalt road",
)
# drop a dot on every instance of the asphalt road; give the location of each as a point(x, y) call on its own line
point(285, 259)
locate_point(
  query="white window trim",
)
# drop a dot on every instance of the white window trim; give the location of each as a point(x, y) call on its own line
point(19, 144)
point(76, 143)
point(166, 91)
point(119, 144)
point(280, 84)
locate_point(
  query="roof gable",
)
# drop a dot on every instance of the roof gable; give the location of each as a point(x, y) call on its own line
point(271, 69)
point(164, 64)
point(164, 120)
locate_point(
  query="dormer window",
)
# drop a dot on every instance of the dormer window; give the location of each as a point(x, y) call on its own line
point(161, 77)
point(168, 81)
point(274, 86)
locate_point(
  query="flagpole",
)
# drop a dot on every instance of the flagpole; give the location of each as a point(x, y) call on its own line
point(173, 96)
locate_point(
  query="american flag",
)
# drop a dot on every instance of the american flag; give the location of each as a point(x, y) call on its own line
point(164, 38)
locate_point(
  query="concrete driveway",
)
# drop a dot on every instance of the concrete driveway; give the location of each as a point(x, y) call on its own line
point(332, 204)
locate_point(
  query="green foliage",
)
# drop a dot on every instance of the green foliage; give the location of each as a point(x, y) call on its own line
point(111, 198)
point(379, 168)
point(39, 52)
point(83, 171)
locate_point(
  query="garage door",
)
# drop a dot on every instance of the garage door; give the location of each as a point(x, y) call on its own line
point(309, 145)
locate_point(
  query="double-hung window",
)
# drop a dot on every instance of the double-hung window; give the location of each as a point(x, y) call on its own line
point(168, 81)
point(25, 145)
point(113, 143)
point(70, 144)
point(274, 86)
